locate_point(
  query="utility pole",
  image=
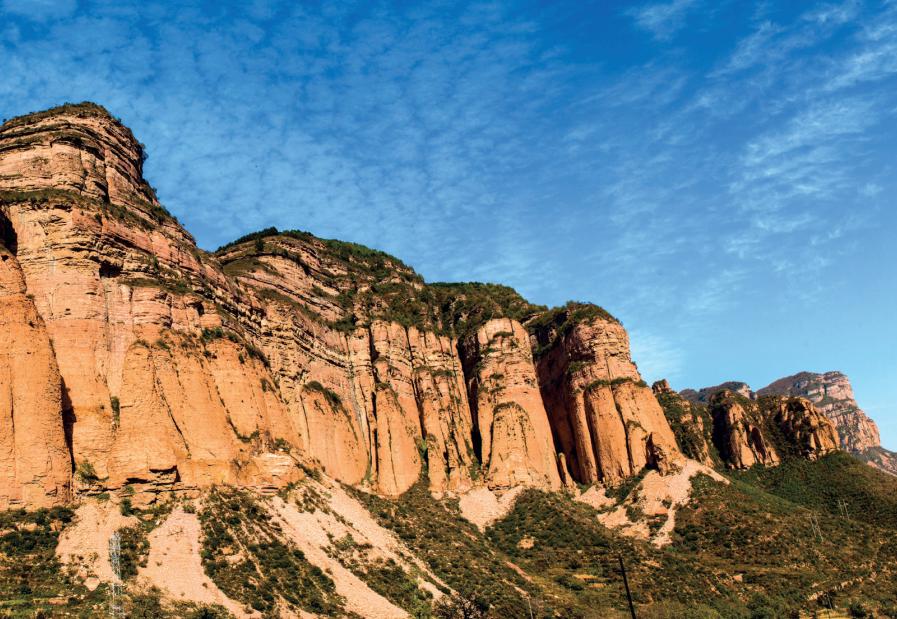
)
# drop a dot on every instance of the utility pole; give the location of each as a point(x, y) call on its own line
point(842, 507)
point(626, 584)
point(814, 523)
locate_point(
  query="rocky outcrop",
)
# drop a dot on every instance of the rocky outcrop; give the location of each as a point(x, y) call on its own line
point(691, 423)
point(739, 432)
point(703, 396)
point(605, 419)
point(765, 431)
point(512, 433)
point(832, 394)
point(807, 430)
point(160, 386)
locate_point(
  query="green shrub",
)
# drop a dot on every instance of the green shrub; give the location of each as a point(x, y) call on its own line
point(244, 555)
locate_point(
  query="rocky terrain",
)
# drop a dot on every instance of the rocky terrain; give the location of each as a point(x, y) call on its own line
point(832, 395)
point(294, 426)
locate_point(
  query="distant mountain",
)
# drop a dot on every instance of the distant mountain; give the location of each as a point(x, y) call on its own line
point(832, 395)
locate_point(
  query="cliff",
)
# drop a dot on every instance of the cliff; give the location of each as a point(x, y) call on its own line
point(832, 394)
point(740, 432)
point(605, 419)
point(152, 365)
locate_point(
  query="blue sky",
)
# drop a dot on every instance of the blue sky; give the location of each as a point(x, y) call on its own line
point(721, 176)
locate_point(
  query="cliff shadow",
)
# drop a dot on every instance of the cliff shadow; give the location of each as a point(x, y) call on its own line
point(68, 420)
point(8, 235)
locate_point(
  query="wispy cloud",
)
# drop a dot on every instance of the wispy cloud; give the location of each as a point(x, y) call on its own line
point(694, 177)
point(663, 19)
point(657, 356)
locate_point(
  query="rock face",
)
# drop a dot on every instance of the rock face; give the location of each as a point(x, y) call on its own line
point(606, 420)
point(140, 360)
point(832, 394)
point(35, 469)
point(512, 431)
point(691, 424)
point(738, 432)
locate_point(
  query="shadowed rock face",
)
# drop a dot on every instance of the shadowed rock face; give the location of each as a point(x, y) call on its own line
point(764, 432)
point(739, 432)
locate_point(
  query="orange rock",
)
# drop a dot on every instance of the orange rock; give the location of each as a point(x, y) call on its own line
point(35, 468)
point(516, 446)
point(738, 432)
point(605, 419)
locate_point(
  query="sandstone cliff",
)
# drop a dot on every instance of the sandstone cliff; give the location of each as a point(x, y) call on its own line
point(832, 394)
point(605, 419)
point(155, 365)
point(739, 432)
point(35, 469)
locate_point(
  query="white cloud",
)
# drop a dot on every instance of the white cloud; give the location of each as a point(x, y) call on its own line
point(663, 19)
point(657, 356)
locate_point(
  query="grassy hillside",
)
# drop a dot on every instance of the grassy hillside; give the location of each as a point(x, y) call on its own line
point(867, 495)
point(773, 543)
point(770, 544)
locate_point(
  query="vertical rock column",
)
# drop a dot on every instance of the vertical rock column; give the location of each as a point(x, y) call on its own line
point(35, 465)
point(514, 438)
point(604, 418)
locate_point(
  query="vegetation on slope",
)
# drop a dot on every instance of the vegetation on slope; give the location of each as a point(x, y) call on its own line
point(691, 439)
point(459, 554)
point(373, 285)
point(244, 554)
point(837, 485)
point(785, 557)
point(384, 576)
point(551, 327)
point(30, 574)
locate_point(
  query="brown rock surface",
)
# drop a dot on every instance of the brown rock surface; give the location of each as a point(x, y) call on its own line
point(134, 311)
point(832, 394)
point(738, 432)
point(35, 469)
point(808, 430)
point(515, 441)
point(605, 419)
point(748, 432)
